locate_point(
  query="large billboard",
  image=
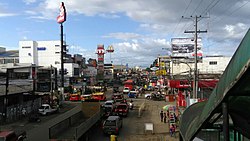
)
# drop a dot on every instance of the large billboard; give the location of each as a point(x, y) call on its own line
point(184, 47)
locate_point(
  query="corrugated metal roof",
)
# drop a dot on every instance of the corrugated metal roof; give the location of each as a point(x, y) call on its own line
point(233, 87)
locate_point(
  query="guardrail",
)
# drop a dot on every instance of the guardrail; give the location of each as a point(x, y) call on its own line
point(141, 108)
point(85, 126)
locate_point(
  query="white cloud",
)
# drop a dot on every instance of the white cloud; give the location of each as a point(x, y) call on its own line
point(29, 1)
point(7, 14)
point(123, 36)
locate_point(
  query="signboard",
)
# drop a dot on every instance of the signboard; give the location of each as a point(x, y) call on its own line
point(62, 16)
point(184, 47)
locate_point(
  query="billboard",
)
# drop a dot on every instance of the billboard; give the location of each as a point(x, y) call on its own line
point(184, 47)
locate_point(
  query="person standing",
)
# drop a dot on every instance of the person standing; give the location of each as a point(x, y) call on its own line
point(165, 118)
point(161, 115)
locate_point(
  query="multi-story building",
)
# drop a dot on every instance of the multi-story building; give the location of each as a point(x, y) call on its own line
point(47, 54)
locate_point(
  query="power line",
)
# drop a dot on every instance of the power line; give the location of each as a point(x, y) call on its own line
point(197, 7)
point(181, 18)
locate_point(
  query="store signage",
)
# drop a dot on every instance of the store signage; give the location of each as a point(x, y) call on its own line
point(41, 48)
point(62, 16)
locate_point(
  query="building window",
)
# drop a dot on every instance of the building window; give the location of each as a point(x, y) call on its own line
point(26, 47)
point(57, 45)
point(213, 63)
point(57, 52)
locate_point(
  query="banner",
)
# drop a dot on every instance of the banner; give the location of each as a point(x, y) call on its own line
point(184, 47)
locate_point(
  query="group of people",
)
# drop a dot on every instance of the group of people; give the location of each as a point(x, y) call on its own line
point(163, 116)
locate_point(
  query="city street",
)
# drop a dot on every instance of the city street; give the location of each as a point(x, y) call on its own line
point(134, 127)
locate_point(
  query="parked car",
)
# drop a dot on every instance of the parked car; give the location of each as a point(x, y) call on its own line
point(12, 135)
point(122, 109)
point(46, 109)
point(112, 125)
point(117, 97)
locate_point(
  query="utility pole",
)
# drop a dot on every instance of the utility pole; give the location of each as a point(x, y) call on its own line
point(195, 84)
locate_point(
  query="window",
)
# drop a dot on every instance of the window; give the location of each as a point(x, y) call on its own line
point(57, 52)
point(213, 63)
point(26, 47)
point(57, 45)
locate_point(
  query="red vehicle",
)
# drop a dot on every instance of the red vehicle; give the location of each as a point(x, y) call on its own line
point(122, 109)
point(129, 84)
point(12, 136)
point(75, 97)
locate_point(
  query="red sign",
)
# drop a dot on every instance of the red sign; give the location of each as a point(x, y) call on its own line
point(62, 16)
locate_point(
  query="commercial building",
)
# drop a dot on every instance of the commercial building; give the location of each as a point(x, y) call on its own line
point(48, 54)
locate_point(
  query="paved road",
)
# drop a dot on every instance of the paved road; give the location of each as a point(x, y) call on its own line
point(134, 126)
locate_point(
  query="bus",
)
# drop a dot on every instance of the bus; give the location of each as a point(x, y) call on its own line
point(98, 93)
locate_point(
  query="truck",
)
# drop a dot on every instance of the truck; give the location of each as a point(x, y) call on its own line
point(46, 109)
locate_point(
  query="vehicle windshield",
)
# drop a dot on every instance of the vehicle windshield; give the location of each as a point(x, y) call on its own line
point(108, 103)
point(109, 123)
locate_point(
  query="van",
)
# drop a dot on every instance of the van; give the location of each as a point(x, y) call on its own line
point(112, 125)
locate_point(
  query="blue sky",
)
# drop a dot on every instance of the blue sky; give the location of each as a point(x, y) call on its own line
point(138, 30)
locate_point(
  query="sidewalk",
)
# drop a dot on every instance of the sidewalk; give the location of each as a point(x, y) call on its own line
point(151, 114)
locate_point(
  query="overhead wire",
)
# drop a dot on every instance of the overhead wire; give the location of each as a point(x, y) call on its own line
point(181, 17)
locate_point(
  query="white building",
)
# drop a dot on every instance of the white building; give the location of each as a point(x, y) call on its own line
point(45, 53)
point(208, 65)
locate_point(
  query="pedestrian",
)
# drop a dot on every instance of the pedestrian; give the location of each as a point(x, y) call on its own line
point(165, 118)
point(161, 115)
point(172, 130)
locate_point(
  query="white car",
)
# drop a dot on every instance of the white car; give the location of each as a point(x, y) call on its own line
point(134, 91)
point(148, 96)
point(126, 90)
point(109, 103)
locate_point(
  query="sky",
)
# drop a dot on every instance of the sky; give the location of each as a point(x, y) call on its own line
point(139, 30)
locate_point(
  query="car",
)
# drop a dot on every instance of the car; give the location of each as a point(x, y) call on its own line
point(117, 97)
point(112, 125)
point(134, 91)
point(147, 96)
point(126, 90)
point(122, 109)
point(46, 109)
point(109, 103)
point(132, 95)
point(12, 135)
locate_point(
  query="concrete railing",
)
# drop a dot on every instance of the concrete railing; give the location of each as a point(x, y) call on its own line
point(141, 108)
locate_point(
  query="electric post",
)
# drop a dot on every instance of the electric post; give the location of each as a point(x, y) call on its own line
point(195, 84)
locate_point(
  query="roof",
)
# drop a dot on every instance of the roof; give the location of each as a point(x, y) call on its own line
point(5, 133)
point(112, 117)
point(233, 88)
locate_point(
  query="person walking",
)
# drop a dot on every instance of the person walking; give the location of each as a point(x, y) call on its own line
point(161, 115)
point(165, 118)
point(172, 130)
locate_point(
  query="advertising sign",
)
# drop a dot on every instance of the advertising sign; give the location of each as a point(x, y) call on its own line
point(184, 47)
point(62, 16)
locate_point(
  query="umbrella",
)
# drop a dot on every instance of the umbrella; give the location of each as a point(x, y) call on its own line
point(166, 107)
